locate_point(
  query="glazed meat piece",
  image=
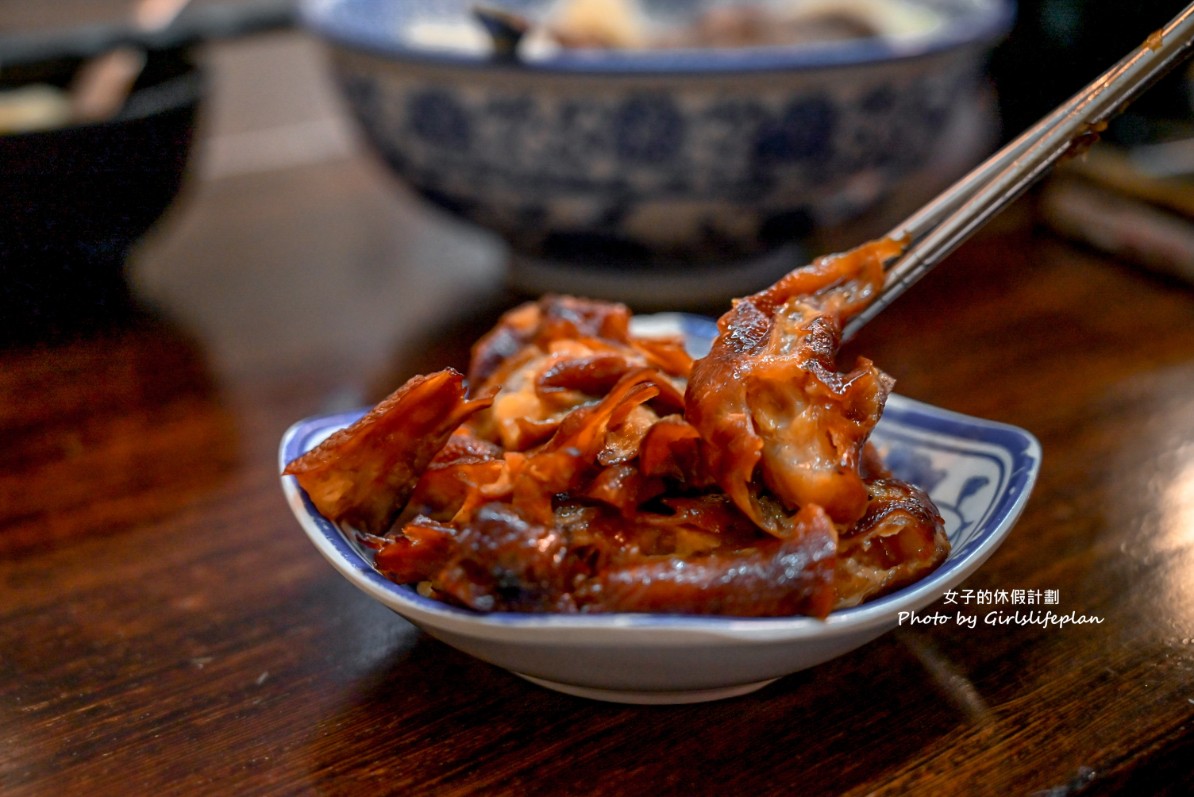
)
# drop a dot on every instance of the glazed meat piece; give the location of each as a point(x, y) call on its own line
point(697, 559)
point(546, 359)
point(590, 470)
point(361, 476)
point(784, 427)
point(770, 578)
point(896, 542)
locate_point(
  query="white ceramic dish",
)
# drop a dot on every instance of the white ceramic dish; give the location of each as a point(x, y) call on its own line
point(979, 473)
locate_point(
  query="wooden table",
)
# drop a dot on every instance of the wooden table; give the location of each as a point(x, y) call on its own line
point(166, 628)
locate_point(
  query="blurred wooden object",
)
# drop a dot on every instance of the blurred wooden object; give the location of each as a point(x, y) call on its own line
point(1108, 201)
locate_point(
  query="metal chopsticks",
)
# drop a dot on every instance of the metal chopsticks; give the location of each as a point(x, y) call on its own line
point(945, 222)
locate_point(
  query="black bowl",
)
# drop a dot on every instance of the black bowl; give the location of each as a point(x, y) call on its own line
point(74, 199)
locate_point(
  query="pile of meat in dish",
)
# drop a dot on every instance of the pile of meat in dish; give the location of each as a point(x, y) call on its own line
point(584, 469)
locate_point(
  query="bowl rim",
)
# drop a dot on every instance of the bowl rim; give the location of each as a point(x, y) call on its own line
point(984, 22)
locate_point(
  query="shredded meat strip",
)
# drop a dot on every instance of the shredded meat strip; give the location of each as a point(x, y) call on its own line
point(588, 470)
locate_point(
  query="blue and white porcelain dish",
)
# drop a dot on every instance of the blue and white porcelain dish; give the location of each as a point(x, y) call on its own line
point(665, 178)
point(979, 473)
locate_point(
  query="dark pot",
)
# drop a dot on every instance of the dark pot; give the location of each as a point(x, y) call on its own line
point(73, 200)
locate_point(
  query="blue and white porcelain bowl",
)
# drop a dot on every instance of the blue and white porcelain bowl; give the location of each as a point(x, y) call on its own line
point(648, 164)
point(979, 473)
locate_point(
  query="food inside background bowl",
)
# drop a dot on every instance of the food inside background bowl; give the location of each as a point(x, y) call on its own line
point(744, 23)
point(669, 174)
point(75, 197)
point(643, 25)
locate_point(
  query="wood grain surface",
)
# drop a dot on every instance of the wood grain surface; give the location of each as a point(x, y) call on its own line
point(166, 628)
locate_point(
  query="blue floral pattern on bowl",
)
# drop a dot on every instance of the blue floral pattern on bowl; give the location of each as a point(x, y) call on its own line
point(659, 158)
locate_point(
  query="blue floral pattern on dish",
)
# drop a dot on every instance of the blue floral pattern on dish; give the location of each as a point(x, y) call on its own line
point(915, 464)
point(965, 479)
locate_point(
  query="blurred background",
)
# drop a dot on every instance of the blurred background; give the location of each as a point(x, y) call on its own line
point(1057, 46)
point(267, 105)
